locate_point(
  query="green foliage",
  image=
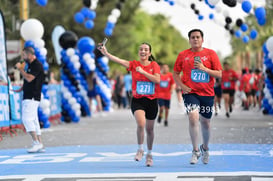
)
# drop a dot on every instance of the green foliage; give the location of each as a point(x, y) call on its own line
point(133, 27)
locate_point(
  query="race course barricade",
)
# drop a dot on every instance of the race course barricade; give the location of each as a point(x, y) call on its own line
point(10, 107)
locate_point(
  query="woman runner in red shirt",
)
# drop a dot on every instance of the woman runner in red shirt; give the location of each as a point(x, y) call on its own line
point(144, 106)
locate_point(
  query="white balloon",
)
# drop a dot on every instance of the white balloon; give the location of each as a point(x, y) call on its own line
point(70, 51)
point(67, 95)
point(226, 13)
point(44, 103)
point(269, 44)
point(116, 12)
point(72, 101)
point(270, 101)
point(46, 111)
point(86, 56)
point(74, 58)
point(105, 59)
point(32, 29)
point(213, 2)
point(91, 61)
point(218, 9)
point(92, 66)
point(112, 19)
point(77, 65)
point(78, 113)
point(43, 51)
point(40, 43)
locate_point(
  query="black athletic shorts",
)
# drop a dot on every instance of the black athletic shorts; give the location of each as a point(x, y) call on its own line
point(150, 106)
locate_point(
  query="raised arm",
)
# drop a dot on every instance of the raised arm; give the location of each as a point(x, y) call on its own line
point(116, 59)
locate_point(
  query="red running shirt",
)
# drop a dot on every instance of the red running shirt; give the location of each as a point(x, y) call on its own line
point(226, 83)
point(164, 88)
point(141, 85)
point(200, 82)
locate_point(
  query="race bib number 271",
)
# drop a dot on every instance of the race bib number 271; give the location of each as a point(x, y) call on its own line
point(145, 88)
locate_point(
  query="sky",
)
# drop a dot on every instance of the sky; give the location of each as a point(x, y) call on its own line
point(183, 18)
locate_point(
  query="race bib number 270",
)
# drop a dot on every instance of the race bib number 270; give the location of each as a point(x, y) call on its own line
point(199, 76)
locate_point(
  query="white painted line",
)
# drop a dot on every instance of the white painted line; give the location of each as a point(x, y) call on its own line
point(196, 179)
point(261, 179)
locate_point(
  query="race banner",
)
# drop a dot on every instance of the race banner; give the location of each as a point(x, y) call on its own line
point(4, 107)
point(3, 52)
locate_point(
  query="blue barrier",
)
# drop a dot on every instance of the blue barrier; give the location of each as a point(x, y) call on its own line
point(10, 104)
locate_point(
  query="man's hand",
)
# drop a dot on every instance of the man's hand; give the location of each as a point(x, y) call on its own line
point(20, 65)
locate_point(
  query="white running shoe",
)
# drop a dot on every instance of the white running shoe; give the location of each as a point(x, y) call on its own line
point(205, 155)
point(195, 156)
point(35, 148)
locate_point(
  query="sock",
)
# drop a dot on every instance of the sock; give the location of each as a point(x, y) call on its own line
point(140, 146)
point(36, 142)
point(149, 152)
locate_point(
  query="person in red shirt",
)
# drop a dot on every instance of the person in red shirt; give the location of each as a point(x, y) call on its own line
point(199, 66)
point(165, 90)
point(229, 78)
point(144, 106)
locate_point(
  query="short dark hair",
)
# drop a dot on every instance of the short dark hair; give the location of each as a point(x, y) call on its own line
point(29, 50)
point(194, 30)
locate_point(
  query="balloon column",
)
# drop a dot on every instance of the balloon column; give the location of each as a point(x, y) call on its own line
point(71, 97)
point(113, 18)
point(103, 82)
point(32, 31)
point(268, 72)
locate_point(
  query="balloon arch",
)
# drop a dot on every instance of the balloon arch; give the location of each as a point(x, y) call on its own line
point(78, 56)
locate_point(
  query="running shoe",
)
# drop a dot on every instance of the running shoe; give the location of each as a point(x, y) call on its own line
point(139, 155)
point(205, 155)
point(230, 108)
point(149, 160)
point(35, 148)
point(227, 114)
point(166, 123)
point(159, 119)
point(195, 156)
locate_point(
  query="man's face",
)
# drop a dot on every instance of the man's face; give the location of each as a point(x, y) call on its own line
point(27, 56)
point(196, 39)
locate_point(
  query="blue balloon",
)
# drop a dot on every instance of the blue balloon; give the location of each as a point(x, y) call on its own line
point(41, 2)
point(29, 43)
point(110, 25)
point(89, 24)
point(200, 17)
point(46, 124)
point(246, 6)
point(85, 11)
point(260, 13)
point(46, 66)
point(108, 31)
point(79, 17)
point(238, 34)
point(211, 16)
point(86, 45)
point(244, 27)
point(245, 39)
point(262, 21)
point(253, 34)
point(91, 15)
point(171, 3)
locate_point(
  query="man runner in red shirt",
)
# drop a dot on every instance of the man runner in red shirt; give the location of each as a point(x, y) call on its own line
point(229, 78)
point(165, 90)
point(199, 66)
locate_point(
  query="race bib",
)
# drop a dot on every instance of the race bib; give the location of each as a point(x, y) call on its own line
point(226, 84)
point(199, 76)
point(164, 84)
point(145, 88)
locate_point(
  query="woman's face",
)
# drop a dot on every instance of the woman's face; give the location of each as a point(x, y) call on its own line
point(144, 52)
